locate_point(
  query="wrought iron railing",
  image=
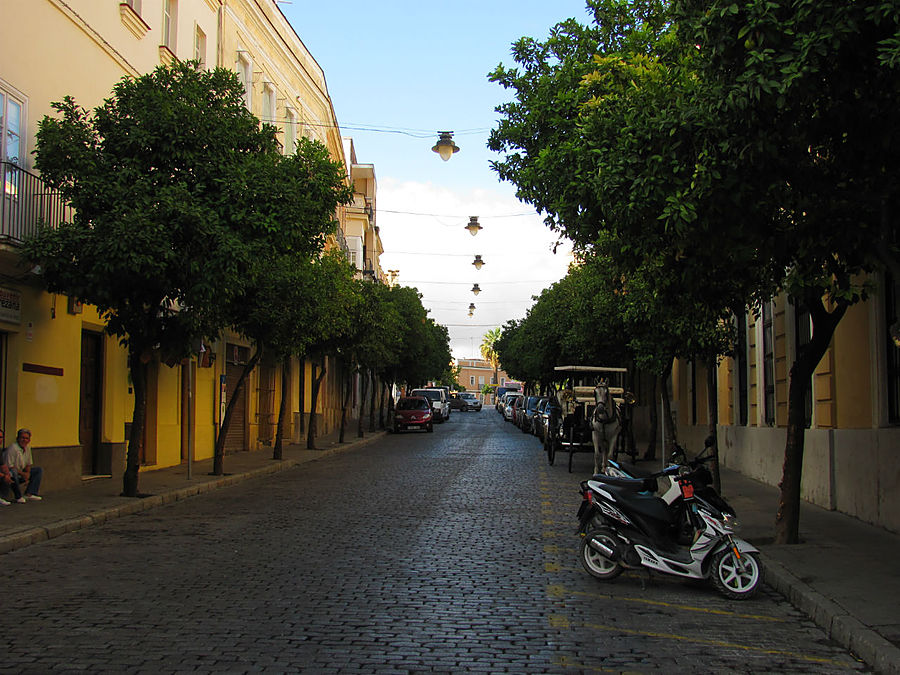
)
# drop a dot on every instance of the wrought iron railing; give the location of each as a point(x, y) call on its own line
point(28, 204)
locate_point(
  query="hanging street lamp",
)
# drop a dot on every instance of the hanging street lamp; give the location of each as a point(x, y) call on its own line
point(476, 289)
point(471, 309)
point(474, 227)
point(478, 262)
point(445, 146)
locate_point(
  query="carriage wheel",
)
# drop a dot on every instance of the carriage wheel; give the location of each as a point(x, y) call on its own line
point(550, 447)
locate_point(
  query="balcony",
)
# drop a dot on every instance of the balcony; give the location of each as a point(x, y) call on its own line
point(28, 204)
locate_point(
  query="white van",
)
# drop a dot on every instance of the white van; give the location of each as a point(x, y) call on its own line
point(440, 404)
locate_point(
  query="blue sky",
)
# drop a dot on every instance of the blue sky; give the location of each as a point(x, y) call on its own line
point(422, 67)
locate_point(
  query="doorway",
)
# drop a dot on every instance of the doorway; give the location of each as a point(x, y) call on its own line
point(91, 401)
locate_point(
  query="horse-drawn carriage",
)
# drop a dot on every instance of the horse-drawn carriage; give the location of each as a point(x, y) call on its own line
point(587, 412)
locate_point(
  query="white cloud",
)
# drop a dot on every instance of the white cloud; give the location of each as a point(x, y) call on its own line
point(422, 229)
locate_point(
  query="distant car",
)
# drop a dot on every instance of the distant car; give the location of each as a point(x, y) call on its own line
point(471, 400)
point(413, 412)
point(457, 402)
point(537, 422)
point(440, 405)
point(509, 407)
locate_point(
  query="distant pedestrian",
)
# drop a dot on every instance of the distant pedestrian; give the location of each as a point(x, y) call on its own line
point(19, 459)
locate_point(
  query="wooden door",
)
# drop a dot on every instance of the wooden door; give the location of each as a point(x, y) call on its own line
point(90, 400)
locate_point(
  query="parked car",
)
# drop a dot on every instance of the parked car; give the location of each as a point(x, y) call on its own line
point(535, 422)
point(457, 402)
point(505, 400)
point(440, 405)
point(471, 400)
point(526, 413)
point(413, 412)
point(509, 408)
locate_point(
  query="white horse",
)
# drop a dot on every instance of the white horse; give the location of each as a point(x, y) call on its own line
point(605, 425)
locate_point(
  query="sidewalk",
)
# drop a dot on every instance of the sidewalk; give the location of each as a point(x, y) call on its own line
point(844, 574)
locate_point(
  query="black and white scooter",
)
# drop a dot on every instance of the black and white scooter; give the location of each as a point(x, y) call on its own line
point(687, 532)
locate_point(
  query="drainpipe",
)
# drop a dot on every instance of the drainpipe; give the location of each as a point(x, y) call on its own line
point(220, 29)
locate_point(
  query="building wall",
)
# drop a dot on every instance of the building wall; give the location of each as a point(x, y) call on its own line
point(851, 459)
point(82, 48)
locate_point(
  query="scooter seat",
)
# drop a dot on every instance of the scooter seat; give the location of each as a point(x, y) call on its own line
point(631, 484)
point(646, 505)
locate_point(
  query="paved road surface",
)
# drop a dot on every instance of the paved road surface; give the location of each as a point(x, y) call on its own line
point(446, 552)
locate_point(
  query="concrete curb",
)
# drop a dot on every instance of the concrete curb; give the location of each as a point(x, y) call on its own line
point(844, 629)
point(34, 535)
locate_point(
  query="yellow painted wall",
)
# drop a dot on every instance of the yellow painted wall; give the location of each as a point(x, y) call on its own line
point(853, 372)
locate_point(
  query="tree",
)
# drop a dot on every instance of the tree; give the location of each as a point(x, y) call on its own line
point(802, 95)
point(291, 297)
point(706, 148)
point(294, 302)
point(165, 178)
point(489, 353)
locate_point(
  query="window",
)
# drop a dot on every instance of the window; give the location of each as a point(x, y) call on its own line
point(11, 110)
point(502, 381)
point(290, 131)
point(481, 380)
point(268, 103)
point(768, 340)
point(892, 289)
point(200, 46)
point(802, 334)
point(471, 380)
point(245, 72)
point(170, 19)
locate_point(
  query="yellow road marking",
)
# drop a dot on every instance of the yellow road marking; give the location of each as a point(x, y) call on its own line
point(551, 549)
point(566, 662)
point(557, 591)
point(551, 567)
point(713, 643)
point(558, 621)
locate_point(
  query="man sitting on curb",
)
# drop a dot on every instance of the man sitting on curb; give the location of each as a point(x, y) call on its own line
point(21, 467)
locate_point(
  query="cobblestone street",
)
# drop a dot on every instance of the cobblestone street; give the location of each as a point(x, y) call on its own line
point(446, 552)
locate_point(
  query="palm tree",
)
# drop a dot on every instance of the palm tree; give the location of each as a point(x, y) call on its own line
point(488, 353)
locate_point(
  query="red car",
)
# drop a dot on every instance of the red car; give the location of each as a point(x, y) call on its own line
point(413, 412)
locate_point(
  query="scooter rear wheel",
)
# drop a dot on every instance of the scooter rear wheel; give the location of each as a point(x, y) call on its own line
point(597, 564)
point(736, 579)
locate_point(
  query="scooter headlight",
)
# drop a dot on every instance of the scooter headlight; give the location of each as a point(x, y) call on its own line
point(731, 522)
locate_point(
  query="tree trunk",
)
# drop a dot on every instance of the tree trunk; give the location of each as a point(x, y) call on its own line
point(138, 421)
point(824, 323)
point(712, 401)
point(390, 399)
point(347, 388)
point(671, 438)
point(364, 378)
point(301, 403)
point(278, 450)
point(372, 402)
point(313, 405)
point(381, 400)
point(650, 452)
point(219, 452)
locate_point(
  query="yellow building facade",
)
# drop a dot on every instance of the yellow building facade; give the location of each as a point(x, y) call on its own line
point(852, 443)
point(60, 374)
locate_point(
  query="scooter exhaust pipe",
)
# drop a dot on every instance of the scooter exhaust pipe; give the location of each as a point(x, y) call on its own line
point(603, 549)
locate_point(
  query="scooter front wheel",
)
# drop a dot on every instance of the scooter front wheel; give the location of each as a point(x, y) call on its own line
point(736, 578)
point(595, 562)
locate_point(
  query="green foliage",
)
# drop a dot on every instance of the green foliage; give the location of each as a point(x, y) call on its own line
point(178, 193)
